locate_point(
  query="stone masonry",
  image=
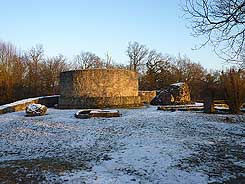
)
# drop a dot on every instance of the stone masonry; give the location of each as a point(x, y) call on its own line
point(98, 88)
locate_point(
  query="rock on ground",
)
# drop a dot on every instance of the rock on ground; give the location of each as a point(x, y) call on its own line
point(36, 110)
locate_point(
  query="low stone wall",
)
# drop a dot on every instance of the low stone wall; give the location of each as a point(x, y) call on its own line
point(98, 88)
point(147, 96)
point(99, 102)
point(20, 105)
point(99, 83)
point(49, 101)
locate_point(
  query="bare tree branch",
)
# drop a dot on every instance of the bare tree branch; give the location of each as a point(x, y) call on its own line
point(222, 23)
point(137, 54)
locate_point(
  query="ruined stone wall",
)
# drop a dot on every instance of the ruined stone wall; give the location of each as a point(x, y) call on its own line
point(98, 88)
point(177, 93)
point(147, 96)
point(181, 93)
point(99, 83)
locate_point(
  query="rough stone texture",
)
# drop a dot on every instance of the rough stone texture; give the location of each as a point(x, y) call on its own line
point(49, 101)
point(98, 102)
point(99, 83)
point(181, 107)
point(21, 105)
point(147, 96)
point(36, 110)
point(96, 113)
point(98, 88)
point(177, 93)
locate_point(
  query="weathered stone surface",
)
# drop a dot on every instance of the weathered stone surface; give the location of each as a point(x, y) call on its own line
point(36, 110)
point(163, 98)
point(97, 88)
point(89, 113)
point(177, 93)
point(98, 102)
point(84, 114)
point(49, 101)
point(147, 96)
point(181, 107)
point(99, 83)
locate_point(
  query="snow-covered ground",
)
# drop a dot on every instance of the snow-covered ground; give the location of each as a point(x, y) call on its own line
point(142, 146)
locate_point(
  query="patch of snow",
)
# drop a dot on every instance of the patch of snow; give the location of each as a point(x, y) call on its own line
point(198, 104)
point(177, 84)
point(142, 146)
point(34, 107)
point(101, 111)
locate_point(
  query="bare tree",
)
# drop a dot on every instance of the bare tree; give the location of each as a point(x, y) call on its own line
point(153, 59)
point(50, 70)
point(12, 73)
point(34, 57)
point(222, 23)
point(137, 54)
point(192, 73)
point(108, 61)
point(157, 68)
point(233, 82)
point(7, 59)
point(26, 74)
point(86, 60)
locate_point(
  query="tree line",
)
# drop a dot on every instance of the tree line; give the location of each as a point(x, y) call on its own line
point(28, 74)
point(31, 73)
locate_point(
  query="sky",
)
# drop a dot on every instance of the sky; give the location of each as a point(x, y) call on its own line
point(102, 26)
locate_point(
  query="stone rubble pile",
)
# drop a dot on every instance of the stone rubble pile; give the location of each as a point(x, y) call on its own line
point(177, 93)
